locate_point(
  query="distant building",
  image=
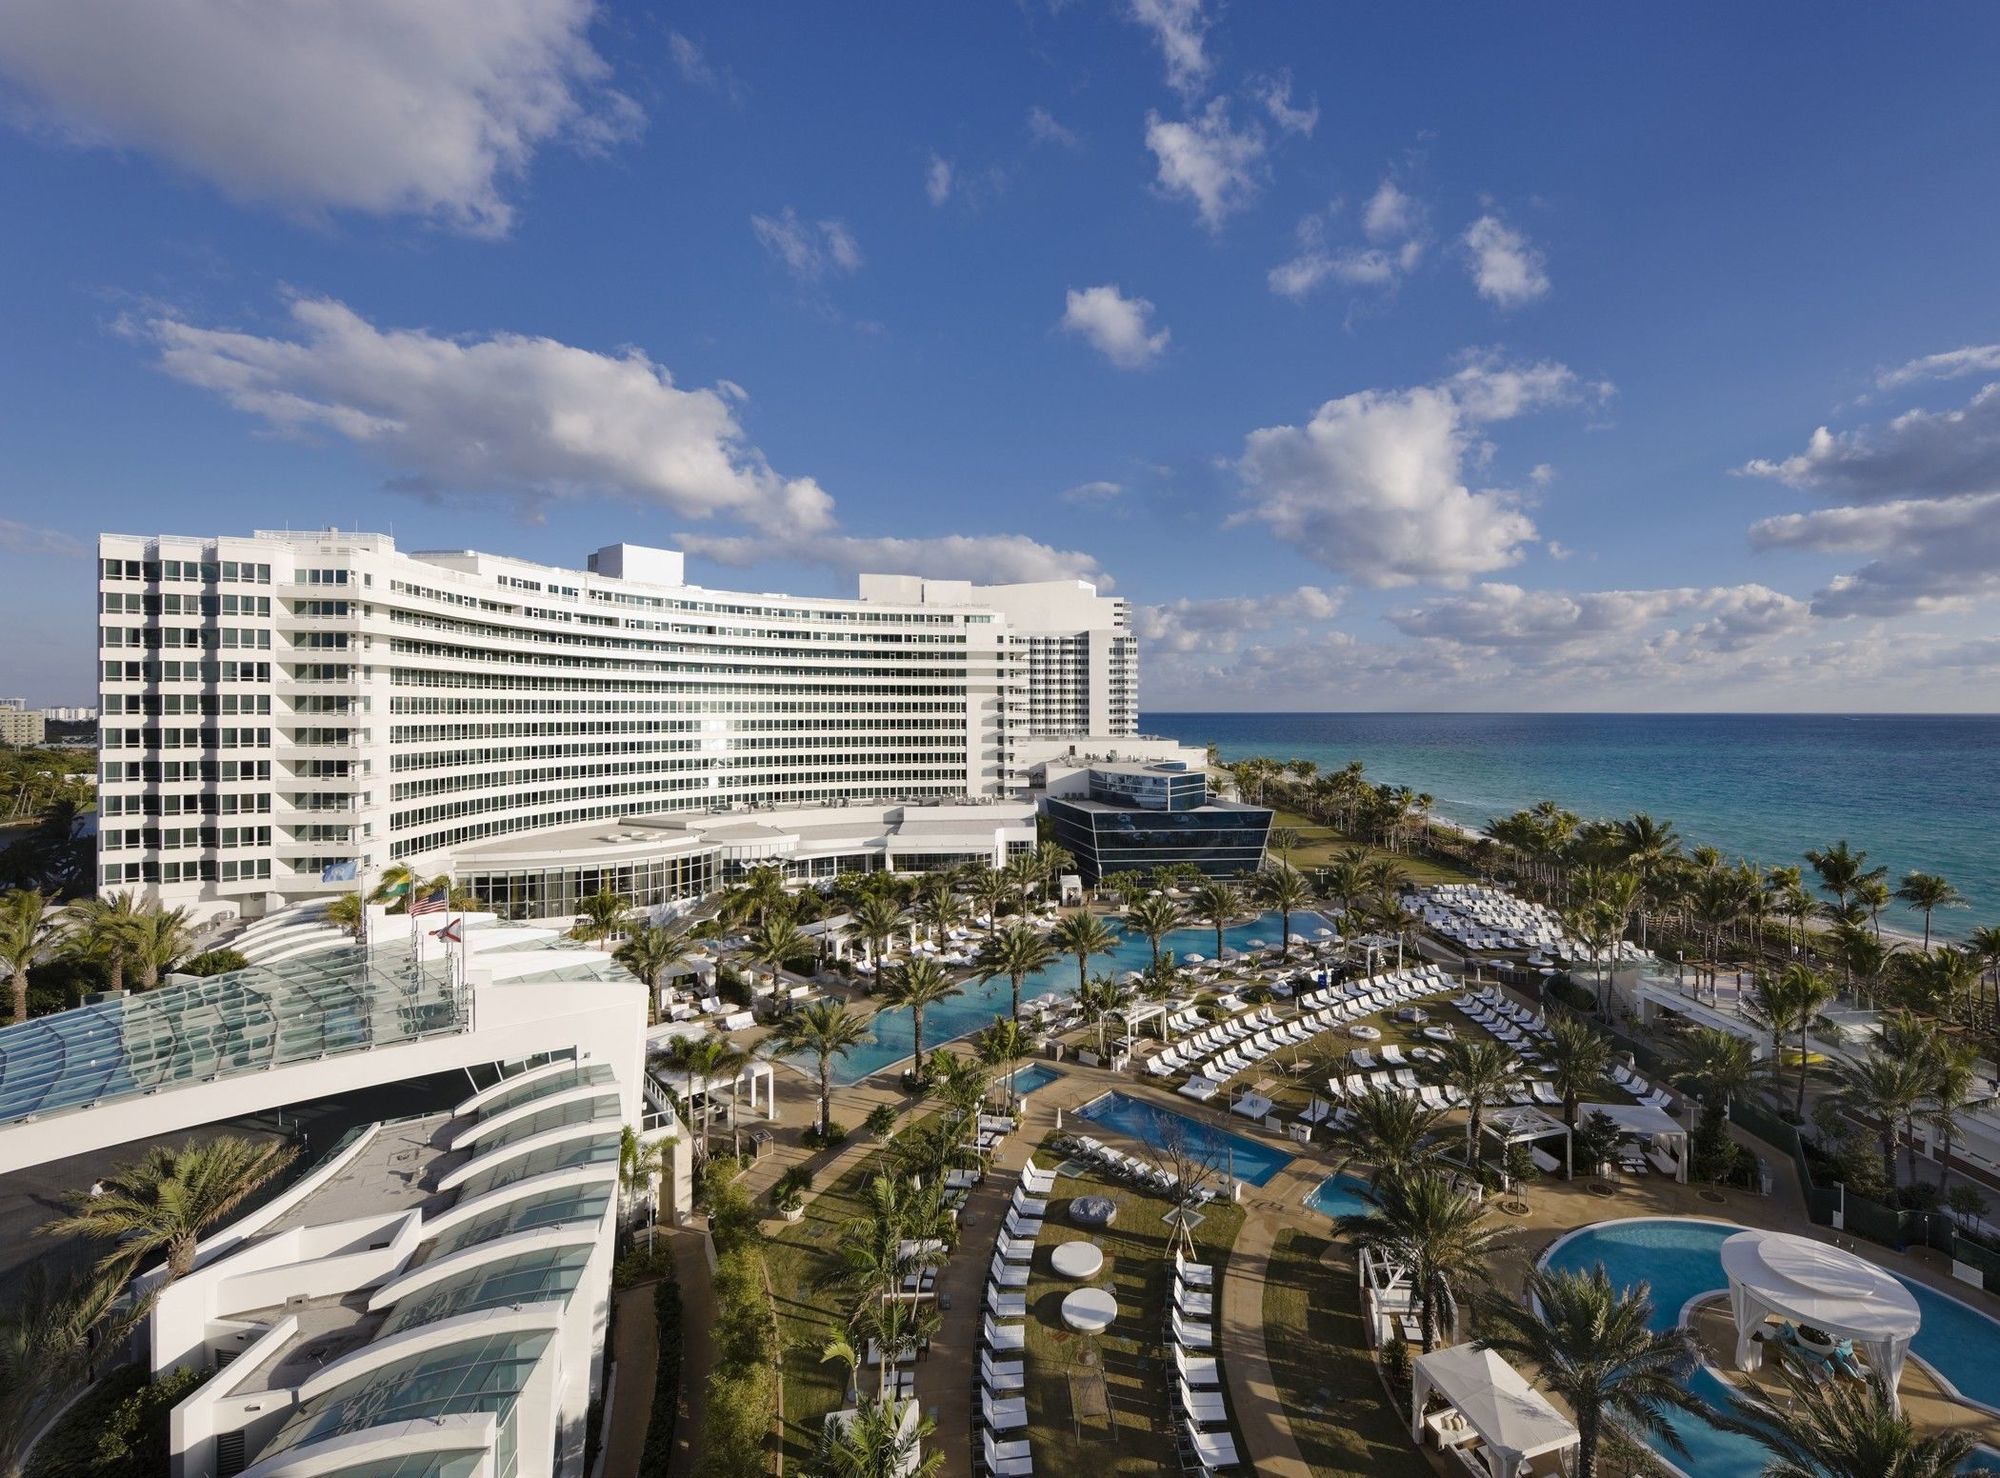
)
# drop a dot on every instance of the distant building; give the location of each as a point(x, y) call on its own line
point(21, 726)
point(14, 703)
point(70, 715)
point(1139, 816)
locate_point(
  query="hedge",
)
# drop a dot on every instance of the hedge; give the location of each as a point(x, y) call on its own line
point(659, 1449)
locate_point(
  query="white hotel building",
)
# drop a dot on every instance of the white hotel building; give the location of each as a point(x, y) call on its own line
point(275, 704)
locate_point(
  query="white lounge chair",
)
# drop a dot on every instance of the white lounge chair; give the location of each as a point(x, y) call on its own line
point(1002, 1375)
point(1202, 1407)
point(1003, 1337)
point(1213, 1449)
point(1005, 1305)
point(1197, 1371)
point(1008, 1415)
point(1007, 1459)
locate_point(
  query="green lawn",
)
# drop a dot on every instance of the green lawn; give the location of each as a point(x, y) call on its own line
point(1137, 1437)
point(1326, 1378)
point(1320, 845)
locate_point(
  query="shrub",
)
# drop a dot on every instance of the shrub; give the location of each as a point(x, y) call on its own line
point(1396, 1366)
point(659, 1448)
point(882, 1120)
point(789, 1191)
point(642, 1265)
point(215, 962)
point(119, 1430)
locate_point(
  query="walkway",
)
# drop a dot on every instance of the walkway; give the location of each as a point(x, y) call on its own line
point(637, 1353)
point(694, 1265)
point(1263, 1429)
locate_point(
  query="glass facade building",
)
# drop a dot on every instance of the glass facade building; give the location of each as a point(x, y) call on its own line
point(1138, 818)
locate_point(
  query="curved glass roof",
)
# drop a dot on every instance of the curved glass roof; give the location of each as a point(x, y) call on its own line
point(242, 1022)
point(570, 1153)
point(486, 1373)
point(591, 1076)
point(526, 1214)
point(547, 1276)
point(582, 1111)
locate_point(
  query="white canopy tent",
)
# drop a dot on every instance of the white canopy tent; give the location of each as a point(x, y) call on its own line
point(1138, 1013)
point(1514, 1423)
point(1521, 1124)
point(1822, 1286)
point(1649, 1126)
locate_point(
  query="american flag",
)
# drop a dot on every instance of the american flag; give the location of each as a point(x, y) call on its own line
point(429, 903)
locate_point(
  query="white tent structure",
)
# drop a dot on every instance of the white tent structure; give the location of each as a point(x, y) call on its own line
point(1812, 1283)
point(1521, 1124)
point(1512, 1422)
point(1655, 1128)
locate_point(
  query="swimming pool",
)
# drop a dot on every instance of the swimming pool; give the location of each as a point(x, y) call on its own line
point(1682, 1259)
point(1035, 1075)
point(892, 1034)
point(1248, 1160)
point(1341, 1195)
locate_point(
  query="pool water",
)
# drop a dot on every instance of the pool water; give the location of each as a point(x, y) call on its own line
point(1682, 1259)
point(1341, 1195)
point(1034, 1076)
point(892, 1035)
point(1248, 1160)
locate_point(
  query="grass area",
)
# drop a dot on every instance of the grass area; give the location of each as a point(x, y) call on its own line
point(1326, 1378)
point(1320, 845)
point(1137, 1435)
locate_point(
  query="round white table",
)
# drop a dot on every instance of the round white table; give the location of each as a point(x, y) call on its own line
point(1077, 1259)
point(1089, 1310)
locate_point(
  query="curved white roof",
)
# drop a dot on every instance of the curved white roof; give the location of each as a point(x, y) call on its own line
point(1821, 1285)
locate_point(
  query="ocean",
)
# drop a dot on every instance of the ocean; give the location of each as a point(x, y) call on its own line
point(1917, 793)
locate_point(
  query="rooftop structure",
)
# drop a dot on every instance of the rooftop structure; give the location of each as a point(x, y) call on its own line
point(1138, 817)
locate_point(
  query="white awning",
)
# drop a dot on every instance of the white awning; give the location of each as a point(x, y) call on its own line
point(1513, 1419)
point(1813, 1283)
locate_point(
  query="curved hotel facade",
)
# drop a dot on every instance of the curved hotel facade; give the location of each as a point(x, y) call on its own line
point(278, 706)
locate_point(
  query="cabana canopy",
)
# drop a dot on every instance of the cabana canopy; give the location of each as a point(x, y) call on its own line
point(1636, 1121)
point(1813, 1283)
point(1524, 1125)
point(1515, 1422)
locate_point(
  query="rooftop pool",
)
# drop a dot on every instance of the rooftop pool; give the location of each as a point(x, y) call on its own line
point(892, 1034)
point(1682, 1259)
point(1249, 1160)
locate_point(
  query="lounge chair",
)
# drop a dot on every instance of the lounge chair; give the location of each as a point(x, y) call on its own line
point(1037, 1180)
point(1194, 1274)
point(1202, 1407)
point(1005, 1305)
point(1007, 1415)
point(1197, 1371)
point(1213, 1449)
point(1003, 1337)
point(1029, 1205)
point(1009, 1274)
point(1193, 1302)
point(1002, 1375)
point(1007, 1459)
point(1015, 1249)
point(1189, 1335)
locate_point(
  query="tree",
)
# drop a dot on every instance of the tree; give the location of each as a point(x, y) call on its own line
point(167, 1199)
point(989, 888)
point(1082, 933)
point(1284, 888)
point(1392, 1133)
point(1984, 947)
point(1155, 917)
point(1001, 1046)
point(1100, 999)
point(161, 939)
point(1435, 1231)
point(939, 907)
point(1217, 903)
point(875, 919)
point(1485, 1072)
point(1792, 1003)
point(215, 962)
point(1926, 892)
point(878, 1442)
point(1579, 1058)
point(1593, 1346)
point(1016, 952)
point(649, 952)
point(599, 916)
point(1888, 1088)
point(775, 943)
point(761, 893)
point(1649, 848)
point(1719, 1065)
point(1843, 1429)
point(1954, 1084)
point(347, 912)
point(920, 984)
point(1129, 887)
point(1050, 861)
point(28, 929)
point(639, 1166)
point(99, 929)
point(822, 1031)
point(53, 1337)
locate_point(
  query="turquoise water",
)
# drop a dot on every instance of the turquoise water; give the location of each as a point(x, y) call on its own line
point(892, 1035)
point(1036, 1075)
point(1682, 1259)
point(1249, 1161)
point(1915, 792)
point(1341, 1195)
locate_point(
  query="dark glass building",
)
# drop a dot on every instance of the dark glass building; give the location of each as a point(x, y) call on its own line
point(1134, 818)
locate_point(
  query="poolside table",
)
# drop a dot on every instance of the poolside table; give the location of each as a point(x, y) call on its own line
point(1089, 1310)
point(1077, 1259)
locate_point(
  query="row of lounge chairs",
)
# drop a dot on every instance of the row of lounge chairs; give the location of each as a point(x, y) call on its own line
point(1121, 1166)
point(1002, 1379)
point(1202, 1417)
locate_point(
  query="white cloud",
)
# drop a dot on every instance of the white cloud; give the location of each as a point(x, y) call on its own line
point(1974, 359)
point(1918, 454)
point(1541, 474)
point(1118, 327)
point(1044, 129)
point(937, 179)
point(1559, 550)
point(376, 106)
point(1180, 30)
point(809, 249)
point(1391, 214)
point(1930, 554)
point(35, 541)
point(1506, 268)
point(1275, 93)
point(1093, 494)
point(1205, 160)
point(527, 418)
point(1001, 558)
point(1392, 222)
point(1219, 624)
point(1374, 484)
point(698, 71)
point(1500, 615)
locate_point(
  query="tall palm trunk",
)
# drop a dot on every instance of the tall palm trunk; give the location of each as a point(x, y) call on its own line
point(20, 995)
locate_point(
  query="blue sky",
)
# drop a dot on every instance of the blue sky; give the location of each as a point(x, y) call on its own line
point(1385, 357)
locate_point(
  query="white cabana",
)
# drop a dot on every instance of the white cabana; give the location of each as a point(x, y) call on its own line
point(1138, 1013)
point(1816, 1284)
point(1509, 1426)
point(1650, 1126)
point(1523, 1125)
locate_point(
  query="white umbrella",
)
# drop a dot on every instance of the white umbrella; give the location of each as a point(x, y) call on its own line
point(1297, 939)
point(1254, 943)
point(1324, 933)
point(1131, 977)
point(1193, 959)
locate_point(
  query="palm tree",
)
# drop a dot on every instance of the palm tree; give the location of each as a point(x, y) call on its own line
point(1102, 998)
point(1216, 902)
point(1435, 1231)
point(704, 1061)
point(938, 906)
point(1284, 888)
point(1942, 980)
point(1649, 847)
point(1873, 894)
point(1002, 1045)
point(100, 928)
point(1720, 1065)
point(879, 1441)
point(919, 985)
point(161, 939)
point(774, 942)
point(394, 885)
point(1840, 868)
point(823, 1031)
point(1393, 1134)
point(165, 1201)
point(1155, 917)
point(1594, 1346)
point(1887, 1087)
point(1016, 952)
point(27, 929)
point(1083, 934)
point(639, 1165)
point(1794, 1002)
point(1926, 892)
point(345, 911)
point(599, 916)
point(1984, 946)
point(1579, 1058)
point(1843, 1429)
point(760, 894)
point(989, 888)
point(876, 917)
point(53, 1338)
point(1050, 862)
point(1485, 1072)
point(649, 953)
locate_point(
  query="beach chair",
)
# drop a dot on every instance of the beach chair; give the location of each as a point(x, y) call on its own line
point(1394, 1056)
point(1005, 1305)
point(1212, 1449)
point(1200, 1372)
point(1194, 1274)
point(1014, 1249)
point(1204, 1407)
point(1006, 1459)
point(1009, 1415)
point(1029, 1205)
point(1038, 1181)
point(1008, 1274)
point(1002, 1375)
point(1362, 1058)
point(1193, 1302)
point(1003, 1337)
point(1189, 1335)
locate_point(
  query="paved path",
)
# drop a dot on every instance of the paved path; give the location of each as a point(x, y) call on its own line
point(637, 1351)
point(694, 1265)
point(1264, 1433)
